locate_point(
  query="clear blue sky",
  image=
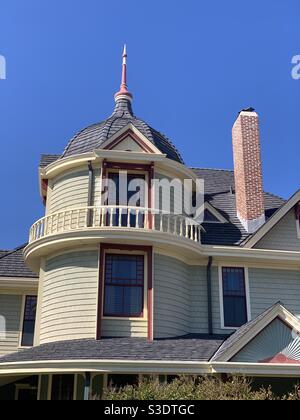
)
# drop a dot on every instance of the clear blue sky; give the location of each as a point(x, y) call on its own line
point(193, 65)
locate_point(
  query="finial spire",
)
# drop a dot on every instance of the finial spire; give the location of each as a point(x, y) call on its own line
point(123, 88)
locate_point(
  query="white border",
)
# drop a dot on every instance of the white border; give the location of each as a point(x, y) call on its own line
point(298, 227)
point(247, 289)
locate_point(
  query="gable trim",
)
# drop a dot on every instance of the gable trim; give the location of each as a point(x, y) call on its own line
point(136, 136)
point(278, 215)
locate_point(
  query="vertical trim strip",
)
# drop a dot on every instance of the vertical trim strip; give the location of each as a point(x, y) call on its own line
point(150, 294)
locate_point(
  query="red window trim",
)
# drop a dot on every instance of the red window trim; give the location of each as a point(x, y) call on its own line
point(148, 250)
point(149, 168)
point(244, 297)
point(142, 286)
point(131, 133)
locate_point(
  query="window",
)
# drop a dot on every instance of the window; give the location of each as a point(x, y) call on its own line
point(234, 297)
point(29, 321)
point(124, 285)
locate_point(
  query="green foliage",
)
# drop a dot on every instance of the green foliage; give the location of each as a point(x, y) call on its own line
point(193, 388)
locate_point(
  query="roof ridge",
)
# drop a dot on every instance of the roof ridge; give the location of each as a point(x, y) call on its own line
point(12, 251)
point(276, 196)
point(213, 169)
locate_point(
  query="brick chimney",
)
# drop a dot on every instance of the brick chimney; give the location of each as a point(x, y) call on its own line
point(248, 170)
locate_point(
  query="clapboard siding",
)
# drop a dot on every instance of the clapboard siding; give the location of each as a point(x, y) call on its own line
point(171, 297)
point(269, 286)
point(199, 307)
point(10, 313)
point(69, 191)
point(69, 301)
point(283, 236)
point(124, 328)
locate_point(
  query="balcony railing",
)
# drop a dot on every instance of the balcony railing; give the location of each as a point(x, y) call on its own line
point(115, 217)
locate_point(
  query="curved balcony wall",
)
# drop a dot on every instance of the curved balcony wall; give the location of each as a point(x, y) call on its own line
point(71, 190)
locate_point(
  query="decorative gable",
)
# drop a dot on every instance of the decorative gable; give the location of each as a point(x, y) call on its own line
point(130, 139)
point(128, 145)
point(277, 343)
point(272, 337)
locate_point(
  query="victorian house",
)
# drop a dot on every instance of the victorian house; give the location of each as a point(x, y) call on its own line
point(106, 291)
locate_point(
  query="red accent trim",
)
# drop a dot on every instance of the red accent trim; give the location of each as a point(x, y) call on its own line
point(132, 167)
point(280, 358)
point(134, 137)
point(142, 286)
point(44, 189)
point(149, 254)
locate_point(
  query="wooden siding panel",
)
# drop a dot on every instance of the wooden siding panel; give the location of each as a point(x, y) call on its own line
point(199, 307)
point(171, 297)
point(10, 310)
point(283, 236)
point(69, 302)
point(124, 328)
point(268, 286)
point(69, 191)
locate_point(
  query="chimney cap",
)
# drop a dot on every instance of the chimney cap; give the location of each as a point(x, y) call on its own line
point(250, 109)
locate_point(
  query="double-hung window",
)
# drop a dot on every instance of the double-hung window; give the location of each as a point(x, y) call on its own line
point(29, 321)
point(124, 285)
point(234, 297)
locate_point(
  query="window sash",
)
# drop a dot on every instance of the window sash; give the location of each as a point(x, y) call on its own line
point(124, 295)
point(29, 321)
point(234, 297)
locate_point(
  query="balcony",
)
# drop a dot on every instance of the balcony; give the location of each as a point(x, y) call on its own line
point(107, 218)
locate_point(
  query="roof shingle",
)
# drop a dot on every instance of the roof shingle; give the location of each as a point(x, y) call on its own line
point(189, 348)
point(12, 264)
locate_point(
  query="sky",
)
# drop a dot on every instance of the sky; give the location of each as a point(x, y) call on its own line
point(192, 66)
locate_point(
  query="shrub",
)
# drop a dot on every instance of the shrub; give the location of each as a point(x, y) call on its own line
point(193, 388)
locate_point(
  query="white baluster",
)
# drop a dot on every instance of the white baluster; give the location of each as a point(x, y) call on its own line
point(137, 218)
point(128, 217)
point(120, 216)
point(111, 211)
point(161, 222)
